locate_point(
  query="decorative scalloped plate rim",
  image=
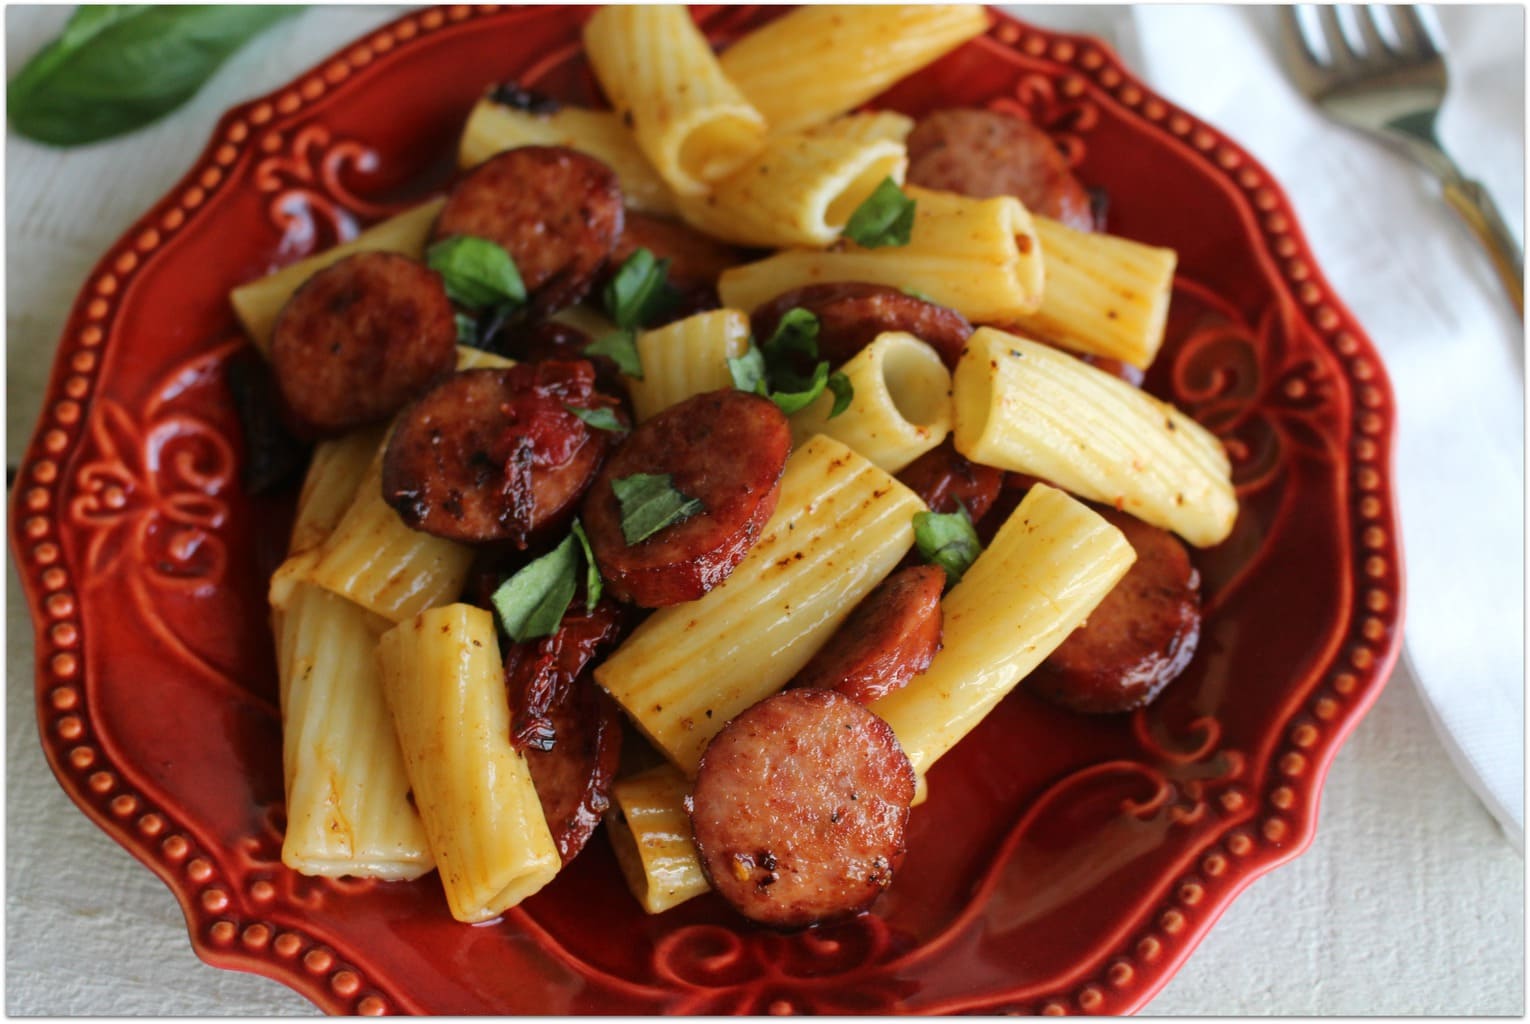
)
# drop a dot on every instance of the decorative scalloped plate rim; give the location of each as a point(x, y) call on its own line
point(322, 973)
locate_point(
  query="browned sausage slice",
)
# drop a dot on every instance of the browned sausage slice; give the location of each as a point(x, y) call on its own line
point(359, 339)
point(1139, 638)
point(694, 258)
point(943, 476)
point(557, 212)
point(800, 808)
point(852, 314)
point(890, 638)
point(985, 153)
point(724, 448)
point(494, 454)
point(573, 779)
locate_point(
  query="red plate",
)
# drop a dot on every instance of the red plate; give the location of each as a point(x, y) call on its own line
point(1062, 863)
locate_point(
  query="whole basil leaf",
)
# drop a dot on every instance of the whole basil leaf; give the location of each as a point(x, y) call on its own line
point(117, 67)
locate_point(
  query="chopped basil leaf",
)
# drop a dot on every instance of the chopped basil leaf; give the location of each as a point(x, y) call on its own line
point(601, 419)
point(649, 503)
point(592, 581)
point(532, 602)
point(477, 272)
point(621, 348)
point(636, 293)
point(797, 332)
point(844, 393)
point(748, 371)
point(947, 540)
point(886, 217)
point(467, 330)
point(798, 392)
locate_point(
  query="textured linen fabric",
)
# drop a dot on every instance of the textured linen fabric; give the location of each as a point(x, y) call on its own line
point(1409, 900)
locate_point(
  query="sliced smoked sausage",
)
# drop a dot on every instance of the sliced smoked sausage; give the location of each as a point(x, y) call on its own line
point(1139, 638)
point(943, 476)
point(573, 779)
point(359, 339)
point(495, 454)
point(557, 212)
point(890, 637)
point(800, 808)
point(985, 153)
point(852, 314)
point(726, 449)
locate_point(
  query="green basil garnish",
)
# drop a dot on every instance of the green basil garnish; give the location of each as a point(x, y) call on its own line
point(649, 503)
point(117, 67)
point(884, 218)
point(844, 392)
point(621, 348)
point(478, 273)
point(947, 540)
point(532, 602)
point(773, 370)
point(638, 293)
point(748, 371)
point(601, 419)
point(593, 584)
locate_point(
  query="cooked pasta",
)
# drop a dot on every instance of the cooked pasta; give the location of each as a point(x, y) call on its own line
point(978, 256)
point(258, 303)
point(661, 77)
point(799, 190)
point(348, 807)
point(819, 62)
point(871, 126)
point(650, 832)
point(687, 357)
point(373, 559)
point(1104, 295)
point(445, 685)
point(1051, 562)
point(840, 525)
point(1026, 407)
point(901, 406)
point(493, 127)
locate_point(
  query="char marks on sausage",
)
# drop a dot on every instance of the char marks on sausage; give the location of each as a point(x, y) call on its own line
point(943, 476)
point(984, 153)
point(495, 454)
point(557, 212)
point(360, 339)
point(890, 637)
point(800, 808)
point(852, 314)
point(1138, 639)
point(724, 448)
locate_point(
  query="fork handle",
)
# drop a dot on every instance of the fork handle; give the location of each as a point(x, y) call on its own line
point(1476, 207)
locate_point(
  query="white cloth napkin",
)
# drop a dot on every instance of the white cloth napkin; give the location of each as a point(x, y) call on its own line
point(1428, 298)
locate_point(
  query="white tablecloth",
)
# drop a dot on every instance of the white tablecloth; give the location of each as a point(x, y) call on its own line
point(1410, 901)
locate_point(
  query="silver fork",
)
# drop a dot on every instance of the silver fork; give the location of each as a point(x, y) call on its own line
point(1393, 91)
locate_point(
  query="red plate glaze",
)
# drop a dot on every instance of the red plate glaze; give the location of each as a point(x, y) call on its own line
point(1063, 863)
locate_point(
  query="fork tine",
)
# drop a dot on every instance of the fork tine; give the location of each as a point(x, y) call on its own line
point(1376, 47)
point(1340, 55)
point(1416, 38)
point(1295, 34)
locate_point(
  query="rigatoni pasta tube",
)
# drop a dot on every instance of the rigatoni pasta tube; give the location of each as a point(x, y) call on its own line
point(980, 257)
point(445, 685)
point(687, 357)
point(258, 303)
point(348, 807)
point(1104, 295)
point(1050, 564)
point(800, 190)
point(493, 128)
point(662, 78)
point(373, 559)
point(1026, 407)
point(901, 407)
point(334, 477)
point(840, 525)
point(871, 126)
point(819, 62)
point(650, 832)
